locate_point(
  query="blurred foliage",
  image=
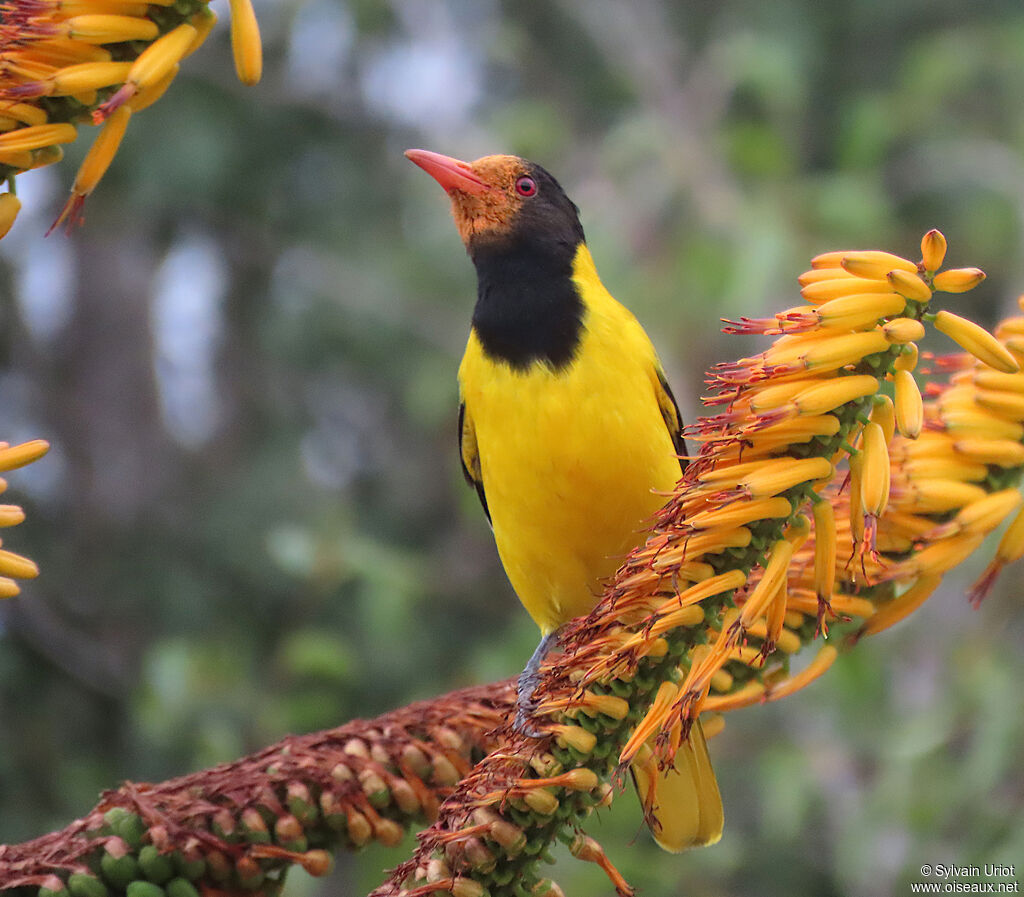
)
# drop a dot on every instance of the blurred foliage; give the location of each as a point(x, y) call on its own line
point(253, 520)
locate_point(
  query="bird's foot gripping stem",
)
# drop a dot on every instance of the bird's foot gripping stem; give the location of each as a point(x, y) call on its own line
point(529, 678)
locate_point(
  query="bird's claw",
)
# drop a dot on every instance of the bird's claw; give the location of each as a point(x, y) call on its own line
point(526, 706)
point(529, 679)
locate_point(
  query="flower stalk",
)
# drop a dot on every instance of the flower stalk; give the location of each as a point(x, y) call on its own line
point(65, 63)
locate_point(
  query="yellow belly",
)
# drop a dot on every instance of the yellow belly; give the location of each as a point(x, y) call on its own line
point(572, 461)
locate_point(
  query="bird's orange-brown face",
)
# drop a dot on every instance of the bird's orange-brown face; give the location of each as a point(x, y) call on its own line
point(523, 235)
point(487, 195)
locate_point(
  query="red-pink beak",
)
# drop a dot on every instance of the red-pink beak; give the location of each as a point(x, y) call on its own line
point(452, 174)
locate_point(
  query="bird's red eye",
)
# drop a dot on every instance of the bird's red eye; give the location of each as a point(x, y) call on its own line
point(526, 186)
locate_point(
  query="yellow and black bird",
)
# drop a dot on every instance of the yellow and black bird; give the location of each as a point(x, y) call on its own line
point(567, 429)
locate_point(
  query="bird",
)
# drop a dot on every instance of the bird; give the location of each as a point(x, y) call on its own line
point(568, 431)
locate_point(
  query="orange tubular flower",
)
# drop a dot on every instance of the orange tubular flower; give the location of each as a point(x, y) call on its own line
point(13, 566)
point(101, 56)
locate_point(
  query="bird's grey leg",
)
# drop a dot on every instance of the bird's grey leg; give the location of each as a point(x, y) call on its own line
point(528, 680)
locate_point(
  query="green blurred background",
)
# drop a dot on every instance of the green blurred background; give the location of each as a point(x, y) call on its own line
point(252, 521)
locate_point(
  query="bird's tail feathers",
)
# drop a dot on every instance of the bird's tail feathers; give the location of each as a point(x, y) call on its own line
point(682, 805)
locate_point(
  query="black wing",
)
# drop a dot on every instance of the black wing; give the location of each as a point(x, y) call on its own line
point(470, 457)
point(673, 419)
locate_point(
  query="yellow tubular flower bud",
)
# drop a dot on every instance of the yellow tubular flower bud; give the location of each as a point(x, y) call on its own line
point(796, 430)
point(961, 394)
point(110, 29)
point(14, 456)
point(998, 381)
point(851, 605)
point(119, 7)
point(774, 578)
point(1011, 545)
point(911, 525)
point(933, 250)
point(859, 310)
point(981, 516)
point(909, 285)
point(977, 340)
point(16, 566)
point(832, 259)
point(891, 542)
point(102, 152)
point(874, 484)
point(769, 628)
point(778, 476)
point(825, 549)
point(977, 422)
point(721, 681)
point(846, 349)
point(799, 529)
point(909, 405)
point(823, 290)
point(10, 205)
point(86, 97)
point(815, 275)
point(938, 557)
point(958, 280)
point(1006, 404)
point(25, 113)
point(671, 616)
point(776, 395)
point(8, 588)
point(715, 585)
point(203, 21)
point(11, 515)
point(875, 265)
point(89, 76)
point(609, 705)
point(937, 496)
point(36, 136)
point(884, 414)
point(1009, 327)
point(149, 95)
point(245, 42)
point(1016, 345)
point(707, 542)
point(948, 468)
point(160, 56)
point(751, 693)
point(729, 474)
point(741, 512)
point(831, 394)
point(907, 361)
point(695, 571)
point(663, 700)
point(25, 68)
point(998, 452)
point(903, 330)
point(856, 463)
point(792, 345)
point(786, 641)
point(891, 613)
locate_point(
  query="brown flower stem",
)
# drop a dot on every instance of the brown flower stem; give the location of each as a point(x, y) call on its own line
point(227, 826)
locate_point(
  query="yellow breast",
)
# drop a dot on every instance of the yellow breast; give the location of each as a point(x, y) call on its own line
point(572, 460)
